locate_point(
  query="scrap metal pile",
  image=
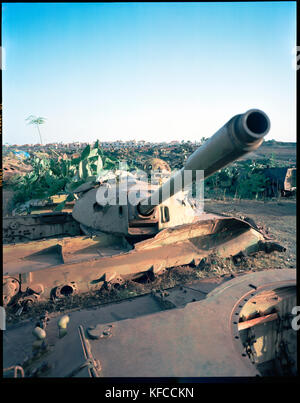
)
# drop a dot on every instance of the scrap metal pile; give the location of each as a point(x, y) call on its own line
point(104, 244)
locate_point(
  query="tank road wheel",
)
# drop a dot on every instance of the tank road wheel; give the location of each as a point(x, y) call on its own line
point(14, 225)
point(11, 287)
point(65, 290)
point(115, 283)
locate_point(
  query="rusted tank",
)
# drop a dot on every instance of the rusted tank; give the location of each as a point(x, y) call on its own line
point(227, 327)
point(131, 228)
point(281, 181)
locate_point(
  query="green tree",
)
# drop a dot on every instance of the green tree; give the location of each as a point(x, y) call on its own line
point(34, 120)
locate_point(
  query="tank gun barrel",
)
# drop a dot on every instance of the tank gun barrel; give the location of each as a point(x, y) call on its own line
point(240, 135)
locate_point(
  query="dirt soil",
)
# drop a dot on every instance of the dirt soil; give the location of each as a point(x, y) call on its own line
point(277, 216)
point(284, 153)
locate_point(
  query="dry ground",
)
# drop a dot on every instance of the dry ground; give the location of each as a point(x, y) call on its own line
point(277, 216)
point(281, 153)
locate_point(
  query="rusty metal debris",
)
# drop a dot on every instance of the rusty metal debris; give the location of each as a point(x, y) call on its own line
point(266, 332)
point(212, 336)
point(38, 226)
point(281, 181)
point(11, 287)
point(85, 269)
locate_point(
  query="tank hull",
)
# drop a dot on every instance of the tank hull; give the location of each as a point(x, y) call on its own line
point(195, 338)
point(58, 267)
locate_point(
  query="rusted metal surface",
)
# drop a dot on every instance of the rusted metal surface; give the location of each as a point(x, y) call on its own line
point(88, 262)
point(196, 341)
point(78, 249)
point(100, 332)
point(30, 256)
point(17, 339)
point(257, 321)
point(36, 226)
point(201, 339)
point(93, 366)
point(268, 338)
point(11, 287)
point(281, 180)
point(265, 302)
point(290, 182)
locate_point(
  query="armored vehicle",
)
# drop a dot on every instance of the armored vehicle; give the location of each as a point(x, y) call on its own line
point(281, 181)
point(129, 228)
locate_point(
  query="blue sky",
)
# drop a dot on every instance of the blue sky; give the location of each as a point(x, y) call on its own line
point(152, 71)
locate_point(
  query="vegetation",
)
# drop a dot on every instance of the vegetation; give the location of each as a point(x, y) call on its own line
point(53, 173)
point(243, 179)
point(37, 121)
point(50, 176)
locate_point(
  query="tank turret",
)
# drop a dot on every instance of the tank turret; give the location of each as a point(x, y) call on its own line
point(134, 208)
